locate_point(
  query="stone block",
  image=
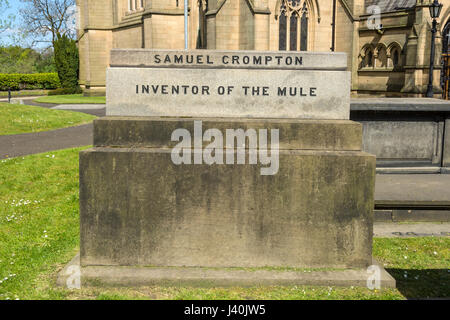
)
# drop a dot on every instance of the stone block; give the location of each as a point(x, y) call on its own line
point(421, 215)
point(337, 135)
point(140, 209)
point(215, 277)
point(382, 215)
point(246, 84)
point(446, 157)
point(228, 93)
point(277, 59)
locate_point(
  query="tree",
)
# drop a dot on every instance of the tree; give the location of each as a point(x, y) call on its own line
point(44, 19)
point(67, 62)
point(14, 59)
point(45, 62)
point(4, 4)
point(53, 19)
point(7, 22)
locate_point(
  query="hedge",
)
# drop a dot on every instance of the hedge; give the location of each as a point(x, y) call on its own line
point(29, 81)
point(64, 91)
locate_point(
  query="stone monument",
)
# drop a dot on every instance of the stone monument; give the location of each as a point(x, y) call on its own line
point(220, 168)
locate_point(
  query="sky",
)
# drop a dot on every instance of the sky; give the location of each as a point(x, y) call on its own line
point(5, 37)
point(15, 6)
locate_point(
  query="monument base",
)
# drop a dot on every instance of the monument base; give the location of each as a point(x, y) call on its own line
point(213, 223)
point(139, 207)
point(114, 276)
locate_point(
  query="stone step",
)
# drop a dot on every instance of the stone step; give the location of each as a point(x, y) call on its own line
point(412, 215)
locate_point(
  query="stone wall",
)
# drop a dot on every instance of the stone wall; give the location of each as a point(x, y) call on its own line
point(411, 134)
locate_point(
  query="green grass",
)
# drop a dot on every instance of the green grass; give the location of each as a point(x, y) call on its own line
point(39, 234)
point(24, 93)
point(38, 221)
point(421, 266)
point(17, 119)
point(71, 99)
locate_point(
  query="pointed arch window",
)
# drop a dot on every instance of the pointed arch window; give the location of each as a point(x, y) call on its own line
point(202, 34)
point(293, 25)
point(304, 29)
point(293, 32)
point(396, 58)
point(369, 58)
point(381, 58)
point(283, 28)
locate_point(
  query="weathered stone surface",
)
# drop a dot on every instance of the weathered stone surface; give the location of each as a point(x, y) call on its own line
point(228, 59)
point(445, 170)
point(412, 191)
point(139, 209)
point(126, 132)
point(216, 277)
point(406, 135)
point(408, 168)
point(407, 142)
point(402, 105)
point(421, 216)
point(407, 230)
point(446, 157)
point(382, 216)
point(247, 93)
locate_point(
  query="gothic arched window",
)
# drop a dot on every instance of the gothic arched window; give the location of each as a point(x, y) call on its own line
point(293, 32)
point(201, 36)
point(304, 29)
point(293, 25)
point(369, 58)
point(394, 52)
point(381, 60)
point(396, 58)
point(283, 29)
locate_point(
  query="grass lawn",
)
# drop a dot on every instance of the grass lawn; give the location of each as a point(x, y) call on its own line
point(17, 119)
point(39, 221)
point(71, 99)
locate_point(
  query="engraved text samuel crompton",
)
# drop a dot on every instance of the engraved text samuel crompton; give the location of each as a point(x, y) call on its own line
point(199, 59)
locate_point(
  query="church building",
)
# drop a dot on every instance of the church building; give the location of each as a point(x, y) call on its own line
point(387, 41)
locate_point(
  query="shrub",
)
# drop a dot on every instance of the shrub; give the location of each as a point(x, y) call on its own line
point(63, 91)
point(29, 81)
point(66, 61)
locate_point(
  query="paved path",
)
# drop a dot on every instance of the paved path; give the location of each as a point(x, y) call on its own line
point(17, 99)
point(98, 110)
point(31, 143)
point(405, 230)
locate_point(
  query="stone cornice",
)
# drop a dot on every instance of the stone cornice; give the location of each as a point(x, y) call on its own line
point(136, 18)
point(348, 10)
point(400, 26)
point(387, 14)
point(256, 10)
point(215, 11)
